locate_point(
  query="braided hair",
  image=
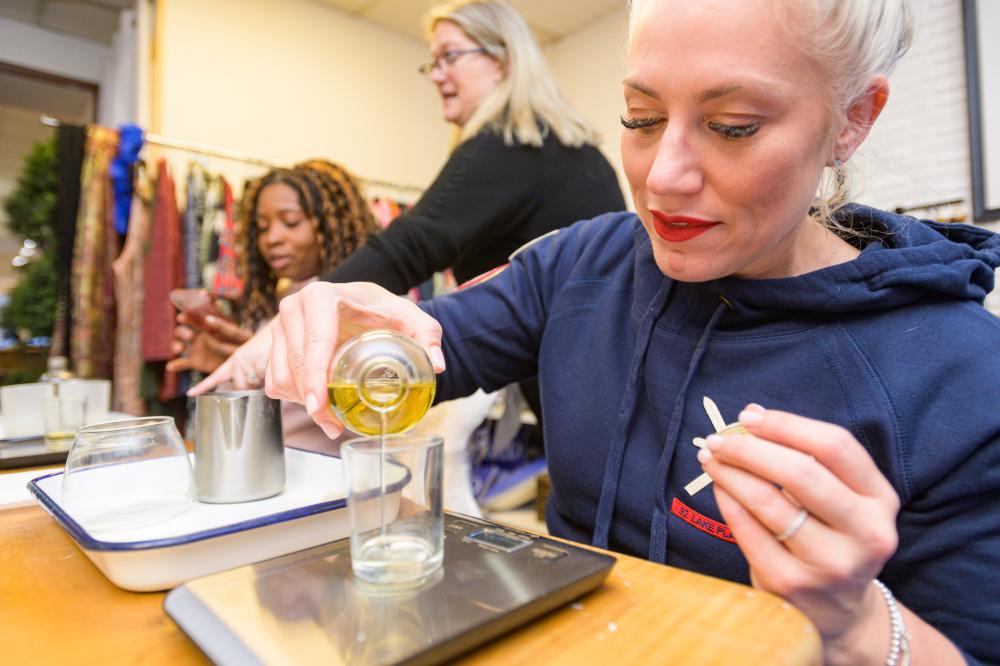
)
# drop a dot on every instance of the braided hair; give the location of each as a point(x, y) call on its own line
point(332, 201)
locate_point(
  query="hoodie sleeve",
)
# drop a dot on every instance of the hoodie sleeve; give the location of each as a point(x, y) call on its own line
point(493, 330)
point(947, 568)
point(945, 397)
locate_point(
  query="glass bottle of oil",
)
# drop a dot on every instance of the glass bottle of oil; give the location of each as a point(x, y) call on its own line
point(381, 382)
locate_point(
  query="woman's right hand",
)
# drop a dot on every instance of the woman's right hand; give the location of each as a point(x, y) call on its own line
point(245, 366)
point(315, 321)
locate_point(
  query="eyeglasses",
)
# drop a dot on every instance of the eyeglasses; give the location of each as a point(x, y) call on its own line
point(446, 59)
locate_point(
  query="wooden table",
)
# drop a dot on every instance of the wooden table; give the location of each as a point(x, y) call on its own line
point(57, 608)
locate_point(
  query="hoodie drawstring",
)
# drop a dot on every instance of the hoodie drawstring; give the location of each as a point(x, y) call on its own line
point(658, 528)
point(613, 467)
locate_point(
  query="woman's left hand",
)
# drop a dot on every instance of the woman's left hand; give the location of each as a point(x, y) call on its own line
point(825, 563)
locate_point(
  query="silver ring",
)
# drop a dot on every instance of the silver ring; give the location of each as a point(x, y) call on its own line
point(252, 377)
point(797, 522)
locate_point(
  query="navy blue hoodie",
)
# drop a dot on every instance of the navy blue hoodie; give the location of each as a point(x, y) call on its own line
point(895, 346)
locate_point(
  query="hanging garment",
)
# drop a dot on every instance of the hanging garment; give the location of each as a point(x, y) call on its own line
point(194, 214)
point(227, 283)
point(70, 143)
point(211, 229)
point(95, 247)
point(129, 144)
point(129, 271)
point(384, 210)
point(163, 270)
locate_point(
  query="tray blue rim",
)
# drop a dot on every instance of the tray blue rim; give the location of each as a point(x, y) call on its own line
point(88, 542)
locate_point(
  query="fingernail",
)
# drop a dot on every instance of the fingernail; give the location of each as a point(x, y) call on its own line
point(210, 320)
point(312, 404)
point(704, 456)
point(714, 442)
point(752, 413)
point(437, 357)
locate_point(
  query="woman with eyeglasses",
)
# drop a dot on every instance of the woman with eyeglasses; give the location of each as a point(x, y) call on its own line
point(525, 164)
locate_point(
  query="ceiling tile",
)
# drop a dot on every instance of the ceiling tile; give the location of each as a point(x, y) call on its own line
point(560, 18)
point(402, 16)
point(351, 6)
point(407, 16)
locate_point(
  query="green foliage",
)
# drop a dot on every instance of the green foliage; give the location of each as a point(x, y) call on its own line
point(32, 305)
point(31, 205)
point(30, 209)
point(20, 377)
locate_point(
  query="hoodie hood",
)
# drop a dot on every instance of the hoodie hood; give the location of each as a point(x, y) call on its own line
point(907, 260)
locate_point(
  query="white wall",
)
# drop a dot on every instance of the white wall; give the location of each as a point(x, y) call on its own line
point(918, 151)
point(119, 78)
point(29, 46)
point(290, 80)
point(589, 67)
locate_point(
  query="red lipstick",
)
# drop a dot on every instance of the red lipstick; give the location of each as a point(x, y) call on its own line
point(679, 228)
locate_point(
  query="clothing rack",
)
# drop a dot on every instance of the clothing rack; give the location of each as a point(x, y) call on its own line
point(237, 156)
point(929, 206)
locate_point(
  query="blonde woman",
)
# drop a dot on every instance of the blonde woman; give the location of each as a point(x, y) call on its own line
point(849, 344)
point(525, 164)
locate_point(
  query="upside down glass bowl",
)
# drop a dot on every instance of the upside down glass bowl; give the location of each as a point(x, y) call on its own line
point(127, 475)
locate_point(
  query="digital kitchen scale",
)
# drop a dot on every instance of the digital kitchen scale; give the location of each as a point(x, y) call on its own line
point(308, 608)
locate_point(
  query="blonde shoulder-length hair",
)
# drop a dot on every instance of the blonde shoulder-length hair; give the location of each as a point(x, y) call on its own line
point(526, 104)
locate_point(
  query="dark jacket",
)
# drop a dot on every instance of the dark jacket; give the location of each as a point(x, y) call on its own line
point(488, 200)
point(895, 346)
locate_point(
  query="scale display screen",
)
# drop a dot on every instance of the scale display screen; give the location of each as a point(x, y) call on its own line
point(498, 539)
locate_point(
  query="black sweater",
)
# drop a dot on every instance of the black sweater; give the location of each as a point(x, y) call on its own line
point(488, 200)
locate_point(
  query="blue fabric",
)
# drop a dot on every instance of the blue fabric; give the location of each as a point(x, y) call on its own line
point(895, 346)
point(130, 141)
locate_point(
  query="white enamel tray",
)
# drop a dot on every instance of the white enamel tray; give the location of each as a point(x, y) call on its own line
point(209, 538)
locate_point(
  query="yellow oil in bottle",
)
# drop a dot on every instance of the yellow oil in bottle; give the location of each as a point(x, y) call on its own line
point(401, 410)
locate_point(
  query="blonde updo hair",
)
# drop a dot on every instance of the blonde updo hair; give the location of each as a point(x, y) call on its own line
point(854, 40)
point(527, 96)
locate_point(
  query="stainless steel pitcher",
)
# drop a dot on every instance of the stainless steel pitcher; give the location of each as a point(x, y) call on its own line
point(239, 453)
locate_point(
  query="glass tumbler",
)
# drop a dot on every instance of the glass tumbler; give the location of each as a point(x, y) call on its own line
point(127, 475)
point(395, 507)
point(62, 417)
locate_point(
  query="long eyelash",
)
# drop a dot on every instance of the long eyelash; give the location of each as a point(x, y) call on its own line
point(640, 123)
point(734, 131)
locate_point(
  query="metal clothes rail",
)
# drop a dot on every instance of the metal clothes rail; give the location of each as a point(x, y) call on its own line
point(225, 153)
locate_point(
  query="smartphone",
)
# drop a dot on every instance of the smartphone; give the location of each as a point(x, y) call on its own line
point(197, 303)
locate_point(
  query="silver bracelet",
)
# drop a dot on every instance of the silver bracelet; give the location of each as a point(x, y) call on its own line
point(899, 648)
